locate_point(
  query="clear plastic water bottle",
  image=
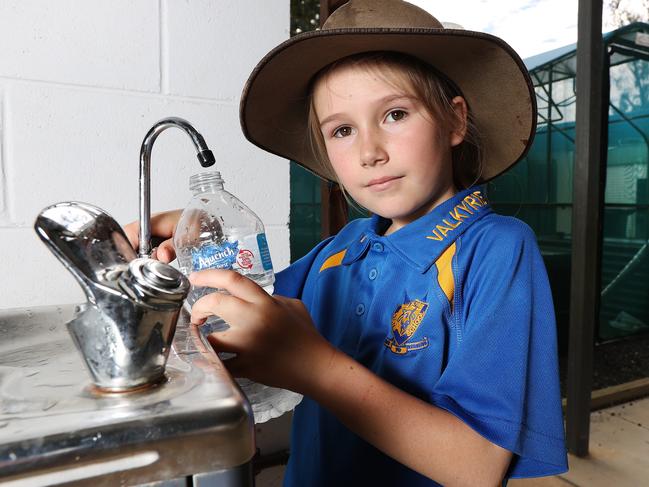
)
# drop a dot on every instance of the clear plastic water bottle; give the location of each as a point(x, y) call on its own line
point(217, 231)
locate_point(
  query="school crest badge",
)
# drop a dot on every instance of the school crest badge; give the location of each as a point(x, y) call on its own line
point(405, 321)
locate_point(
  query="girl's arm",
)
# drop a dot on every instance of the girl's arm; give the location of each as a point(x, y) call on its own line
point(277, 344)
point(427, 439)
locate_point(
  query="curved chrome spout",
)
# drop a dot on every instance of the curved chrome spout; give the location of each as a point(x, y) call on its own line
point(204, 155)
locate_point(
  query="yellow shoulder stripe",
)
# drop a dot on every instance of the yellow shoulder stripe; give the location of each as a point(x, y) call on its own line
point(333, 261)
point(445, 272)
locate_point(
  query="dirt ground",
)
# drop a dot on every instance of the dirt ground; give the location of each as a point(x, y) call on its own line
point(615, 363)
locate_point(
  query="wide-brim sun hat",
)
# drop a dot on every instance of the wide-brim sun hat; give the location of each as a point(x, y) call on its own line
point(488, 72)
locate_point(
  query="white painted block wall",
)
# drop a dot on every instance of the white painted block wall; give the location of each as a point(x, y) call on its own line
point(81, 82)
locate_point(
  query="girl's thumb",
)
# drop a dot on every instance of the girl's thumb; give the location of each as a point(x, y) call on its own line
point(166, 251)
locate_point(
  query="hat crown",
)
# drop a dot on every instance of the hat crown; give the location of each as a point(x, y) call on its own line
point(380, 14)
point(275, 101)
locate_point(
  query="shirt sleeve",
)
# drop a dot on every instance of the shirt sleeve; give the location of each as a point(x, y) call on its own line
point(502, 378)
point(290, 281)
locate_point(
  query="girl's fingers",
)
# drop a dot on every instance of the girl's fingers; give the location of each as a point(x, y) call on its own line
point(166, 251)
point(220, 342)
point(163, 225)
point(235, 366)
point(216, 304)
point(233, 282)
point(224, 341)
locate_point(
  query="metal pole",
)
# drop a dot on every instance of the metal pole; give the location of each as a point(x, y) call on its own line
point(590, 147)
point(548, 148)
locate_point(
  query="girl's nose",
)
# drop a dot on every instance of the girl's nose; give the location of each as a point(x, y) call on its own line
point(372, 150)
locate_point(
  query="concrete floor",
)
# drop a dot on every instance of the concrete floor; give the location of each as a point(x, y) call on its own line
point(270, 477)
point(619, 453)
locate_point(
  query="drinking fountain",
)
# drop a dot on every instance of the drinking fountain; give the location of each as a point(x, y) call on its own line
point(125, 330)
point(158, 408)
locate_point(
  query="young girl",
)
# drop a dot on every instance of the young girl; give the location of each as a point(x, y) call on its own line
point(423, 338)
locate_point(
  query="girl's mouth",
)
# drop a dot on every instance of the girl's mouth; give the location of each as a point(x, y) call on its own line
point(380, 184)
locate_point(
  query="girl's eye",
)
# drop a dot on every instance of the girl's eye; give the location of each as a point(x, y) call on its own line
point(396, 115)
point(341, 132)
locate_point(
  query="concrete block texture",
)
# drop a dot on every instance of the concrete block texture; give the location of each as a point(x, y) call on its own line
point(31, 275)
point(80, 86)
point(71, 144)
point(109, 44)
point(211, 46)
point(3, 177)
point(83, 145)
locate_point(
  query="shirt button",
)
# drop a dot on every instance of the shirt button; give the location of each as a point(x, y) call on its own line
point(373, 273)
point(360, 309)
point(378, 246)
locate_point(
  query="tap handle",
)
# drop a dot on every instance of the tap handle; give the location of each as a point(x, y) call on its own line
point(88, 241)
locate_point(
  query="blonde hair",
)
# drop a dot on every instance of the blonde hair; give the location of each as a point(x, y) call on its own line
point(420, 80)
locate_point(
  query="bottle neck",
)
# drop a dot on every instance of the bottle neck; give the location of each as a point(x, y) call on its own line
point(205, 182)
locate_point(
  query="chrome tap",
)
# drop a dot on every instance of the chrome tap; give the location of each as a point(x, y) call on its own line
point(204, 155)
point(125, 330)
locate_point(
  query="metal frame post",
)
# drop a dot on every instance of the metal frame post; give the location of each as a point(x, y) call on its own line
point(588, 192)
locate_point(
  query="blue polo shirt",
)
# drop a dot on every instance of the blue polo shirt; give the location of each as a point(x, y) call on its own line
point(454, 308)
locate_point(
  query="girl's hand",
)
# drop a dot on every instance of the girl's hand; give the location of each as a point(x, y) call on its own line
point(163, 225)
point(274, 337)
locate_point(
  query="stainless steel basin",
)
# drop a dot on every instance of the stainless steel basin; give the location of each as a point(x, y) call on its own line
point(55, 428)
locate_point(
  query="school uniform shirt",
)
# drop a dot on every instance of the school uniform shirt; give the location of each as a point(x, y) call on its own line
point(454, 308)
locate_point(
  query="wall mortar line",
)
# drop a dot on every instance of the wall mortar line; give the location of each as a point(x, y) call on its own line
point(74, 108)
point(120, 91)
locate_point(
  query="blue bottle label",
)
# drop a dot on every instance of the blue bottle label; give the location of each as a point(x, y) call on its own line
point(215, 256)
point(264, 253)
point(249, 255)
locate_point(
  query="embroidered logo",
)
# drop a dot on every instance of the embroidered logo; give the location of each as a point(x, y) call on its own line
point(405, 322)
point(471, 204)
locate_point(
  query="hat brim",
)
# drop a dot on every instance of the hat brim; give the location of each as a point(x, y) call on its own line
point(491, 76)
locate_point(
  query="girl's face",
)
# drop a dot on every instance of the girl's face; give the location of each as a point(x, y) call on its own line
point(386, 150)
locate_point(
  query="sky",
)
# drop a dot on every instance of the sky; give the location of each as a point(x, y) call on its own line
point(529, 26)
